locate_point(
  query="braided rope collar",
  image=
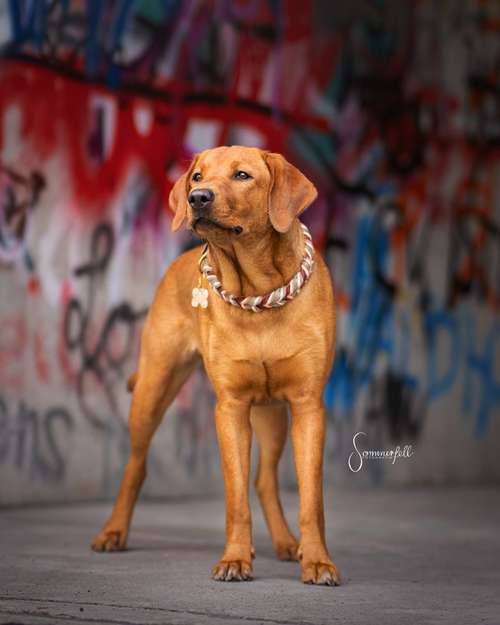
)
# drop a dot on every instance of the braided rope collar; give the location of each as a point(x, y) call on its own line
point(275, 299)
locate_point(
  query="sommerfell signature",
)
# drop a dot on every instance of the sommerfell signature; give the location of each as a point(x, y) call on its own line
point(376, 454)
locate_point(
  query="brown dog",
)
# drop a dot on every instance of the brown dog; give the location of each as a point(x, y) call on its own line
point(244, 202)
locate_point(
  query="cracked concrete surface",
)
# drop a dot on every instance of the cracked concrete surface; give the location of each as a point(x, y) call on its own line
point(416, 556)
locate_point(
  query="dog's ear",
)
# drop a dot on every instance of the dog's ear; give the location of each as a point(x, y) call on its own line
point(177, 200)
point(290, 192)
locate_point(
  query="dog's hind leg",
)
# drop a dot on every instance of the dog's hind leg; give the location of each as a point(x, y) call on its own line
point(270, 424)
point(165, 363)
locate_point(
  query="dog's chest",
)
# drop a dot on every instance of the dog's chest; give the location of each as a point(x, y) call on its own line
point(258, 364)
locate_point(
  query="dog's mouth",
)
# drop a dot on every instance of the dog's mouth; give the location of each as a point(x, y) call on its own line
point(205, 222)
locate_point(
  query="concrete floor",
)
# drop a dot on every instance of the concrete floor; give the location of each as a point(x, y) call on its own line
point(407, 556)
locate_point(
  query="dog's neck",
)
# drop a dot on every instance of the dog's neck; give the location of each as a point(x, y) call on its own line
point(256, 266)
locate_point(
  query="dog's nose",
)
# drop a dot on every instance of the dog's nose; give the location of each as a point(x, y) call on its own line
point(201, 198)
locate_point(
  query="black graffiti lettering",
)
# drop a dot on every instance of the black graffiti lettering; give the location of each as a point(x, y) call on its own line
point(54, 416)
point(396, 406)
point(29, 440)
point(100, 366)
point(20, 197)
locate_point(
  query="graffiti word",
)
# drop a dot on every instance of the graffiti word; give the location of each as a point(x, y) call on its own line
point(101, 363)
point(30, 439)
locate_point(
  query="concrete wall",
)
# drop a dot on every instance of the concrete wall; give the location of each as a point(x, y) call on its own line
point(392, 109)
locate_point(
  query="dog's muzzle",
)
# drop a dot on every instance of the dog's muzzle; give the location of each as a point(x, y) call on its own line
point(201, 202)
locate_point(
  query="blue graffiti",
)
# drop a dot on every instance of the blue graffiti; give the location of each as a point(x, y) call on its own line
point(101, 38)
point(481, 389)
point(454, 355)
point(370, 322)
point(439, 325)
point(452, 352)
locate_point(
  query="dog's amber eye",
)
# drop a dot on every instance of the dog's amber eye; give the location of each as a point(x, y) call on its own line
point(197, 177)
point(242, 175)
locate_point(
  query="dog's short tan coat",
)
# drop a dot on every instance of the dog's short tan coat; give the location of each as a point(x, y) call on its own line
point(258, 363)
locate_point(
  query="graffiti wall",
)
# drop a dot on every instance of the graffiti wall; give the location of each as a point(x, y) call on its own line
point(393, 110)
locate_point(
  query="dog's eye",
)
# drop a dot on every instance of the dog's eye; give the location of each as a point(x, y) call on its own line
point(242, 175)
point(196, 177)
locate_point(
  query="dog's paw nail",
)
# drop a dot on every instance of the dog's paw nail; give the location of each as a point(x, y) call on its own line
point(322, 573)
point(237, 571)
point(109, 541)
point(326, 579)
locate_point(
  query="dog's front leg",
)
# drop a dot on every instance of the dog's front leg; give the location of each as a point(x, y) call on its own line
point(232, 418)
point(308, 437)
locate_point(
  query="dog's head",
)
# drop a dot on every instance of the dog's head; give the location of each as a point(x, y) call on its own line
point(233, 191)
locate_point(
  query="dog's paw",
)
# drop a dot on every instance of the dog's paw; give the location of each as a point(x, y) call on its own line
point(110, 540)
point(232, 571)
point(287, 550)
point(323, 573)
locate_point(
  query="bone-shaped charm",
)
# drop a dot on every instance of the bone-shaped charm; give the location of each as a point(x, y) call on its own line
point(200, 298)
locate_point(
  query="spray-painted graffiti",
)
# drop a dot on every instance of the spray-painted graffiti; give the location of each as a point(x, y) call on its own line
point(390, 107)
point(19, 195)
point(35, 441)
point(103, 362)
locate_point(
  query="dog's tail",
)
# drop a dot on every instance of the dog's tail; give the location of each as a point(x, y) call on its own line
point(131, 382)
